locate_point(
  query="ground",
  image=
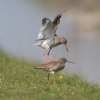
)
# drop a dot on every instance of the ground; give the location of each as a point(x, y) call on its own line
point(20, 81)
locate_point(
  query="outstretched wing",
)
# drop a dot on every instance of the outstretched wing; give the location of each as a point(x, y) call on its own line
point(56, 21)
point(46, 31)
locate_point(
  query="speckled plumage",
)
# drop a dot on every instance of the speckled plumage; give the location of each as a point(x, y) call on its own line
point(53, 67)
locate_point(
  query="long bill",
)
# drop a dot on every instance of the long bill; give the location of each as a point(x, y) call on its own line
point(70, 62)
point(66, 46)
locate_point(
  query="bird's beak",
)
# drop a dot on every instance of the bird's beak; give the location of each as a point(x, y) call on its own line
point(66, 47)
point(70, 62)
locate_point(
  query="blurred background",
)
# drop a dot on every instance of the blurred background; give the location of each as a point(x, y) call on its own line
point(20, 22)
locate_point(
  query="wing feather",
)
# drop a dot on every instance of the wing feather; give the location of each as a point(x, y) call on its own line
point(56, 22)
point(46, 31)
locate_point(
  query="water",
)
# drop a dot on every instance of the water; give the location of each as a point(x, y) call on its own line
point(19, 26)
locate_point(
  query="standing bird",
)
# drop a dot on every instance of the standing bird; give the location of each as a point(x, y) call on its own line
point(53, 67)
point(47, 38)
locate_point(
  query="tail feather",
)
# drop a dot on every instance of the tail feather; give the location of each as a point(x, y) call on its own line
point(38, 42)
point(39, 67)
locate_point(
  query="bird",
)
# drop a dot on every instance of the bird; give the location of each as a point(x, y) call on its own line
point(53, 67)
point(47, 37)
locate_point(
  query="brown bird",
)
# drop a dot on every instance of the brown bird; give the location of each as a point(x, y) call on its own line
point(47, 38)
point(53, 67)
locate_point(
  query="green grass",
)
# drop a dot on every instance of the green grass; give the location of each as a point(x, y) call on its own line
point(20, 81)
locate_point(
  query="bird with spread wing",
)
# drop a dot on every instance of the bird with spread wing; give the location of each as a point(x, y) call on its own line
point(47, 38)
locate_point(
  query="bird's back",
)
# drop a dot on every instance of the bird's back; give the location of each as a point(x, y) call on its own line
point(56, 42)
point(52, 66)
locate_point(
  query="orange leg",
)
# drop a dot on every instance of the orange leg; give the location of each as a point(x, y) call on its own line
point(50, 56)
point(53, 79)
point(44, 57)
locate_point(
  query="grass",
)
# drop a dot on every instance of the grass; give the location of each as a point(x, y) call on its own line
point(20, 81)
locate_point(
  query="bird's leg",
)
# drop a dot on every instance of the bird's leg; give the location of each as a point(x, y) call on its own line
point(48, 78)
point(53, 79)
point(45, 62)
point(50, 56)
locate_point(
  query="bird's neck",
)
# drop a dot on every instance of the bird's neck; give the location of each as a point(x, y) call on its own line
point(57, 40)
point(62, 64)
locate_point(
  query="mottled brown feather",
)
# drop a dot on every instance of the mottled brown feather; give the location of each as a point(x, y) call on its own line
point(47, 66)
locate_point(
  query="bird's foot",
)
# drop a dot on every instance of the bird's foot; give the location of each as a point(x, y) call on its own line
point(45, 63)
point(53, 60)
point(48, 81)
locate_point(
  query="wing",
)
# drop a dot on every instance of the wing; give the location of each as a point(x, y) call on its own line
point(48, 67)
point(46, 30)
point(52, 66)
point(56, 21)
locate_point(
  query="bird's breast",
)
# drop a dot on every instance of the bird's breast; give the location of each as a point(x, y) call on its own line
point(59, 69)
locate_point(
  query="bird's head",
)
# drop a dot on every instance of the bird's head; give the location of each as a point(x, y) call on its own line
point(64, 60)
point(64, 41)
